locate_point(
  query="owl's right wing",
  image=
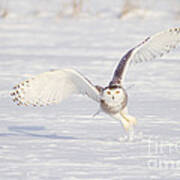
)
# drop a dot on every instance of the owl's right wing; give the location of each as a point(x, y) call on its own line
point(52, 87)
point(151, 48)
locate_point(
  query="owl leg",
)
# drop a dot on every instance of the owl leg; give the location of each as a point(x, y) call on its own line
point(125, 122)
point(131, 121)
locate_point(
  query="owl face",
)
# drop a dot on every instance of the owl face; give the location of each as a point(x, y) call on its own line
point(113, 95)
point(113, 99)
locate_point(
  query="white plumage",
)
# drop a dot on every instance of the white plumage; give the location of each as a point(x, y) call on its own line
point(54, 86)
point(157, 45)
point(151, 48)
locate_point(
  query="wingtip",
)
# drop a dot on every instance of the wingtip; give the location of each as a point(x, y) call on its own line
point(174, 30)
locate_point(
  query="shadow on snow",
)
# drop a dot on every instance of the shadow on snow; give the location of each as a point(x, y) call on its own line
point(24, 130)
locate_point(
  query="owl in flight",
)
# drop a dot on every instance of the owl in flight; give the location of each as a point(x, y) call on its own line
point(54, 86)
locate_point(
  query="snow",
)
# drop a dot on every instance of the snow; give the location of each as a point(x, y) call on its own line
point(65, 141)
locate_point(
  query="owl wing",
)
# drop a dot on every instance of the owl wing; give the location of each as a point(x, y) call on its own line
point(151, 48)
point(53, 87)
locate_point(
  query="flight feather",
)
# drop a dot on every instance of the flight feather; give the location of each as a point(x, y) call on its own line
point(52, 87)
point(151, 48)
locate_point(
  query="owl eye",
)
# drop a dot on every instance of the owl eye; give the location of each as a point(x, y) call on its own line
point(117, 92)
point(108, 92)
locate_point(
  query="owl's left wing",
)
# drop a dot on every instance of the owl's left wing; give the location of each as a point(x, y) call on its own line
point(53, 87)
point(151, 48)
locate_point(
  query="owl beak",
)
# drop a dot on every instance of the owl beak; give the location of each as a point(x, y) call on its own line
point(113, 97)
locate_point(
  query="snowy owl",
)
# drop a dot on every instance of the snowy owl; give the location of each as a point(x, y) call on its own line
point(54, 86)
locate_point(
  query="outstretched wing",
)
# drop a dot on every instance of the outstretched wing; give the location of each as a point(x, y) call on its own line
point(53, 87)
point(152, 47)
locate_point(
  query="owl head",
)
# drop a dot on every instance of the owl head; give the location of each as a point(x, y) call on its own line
point(112, 94)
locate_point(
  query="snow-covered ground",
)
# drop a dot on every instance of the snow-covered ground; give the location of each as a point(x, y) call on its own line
point(65, 141)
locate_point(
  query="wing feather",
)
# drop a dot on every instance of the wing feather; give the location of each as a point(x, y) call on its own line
point(53, 87)
point(152, 47)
